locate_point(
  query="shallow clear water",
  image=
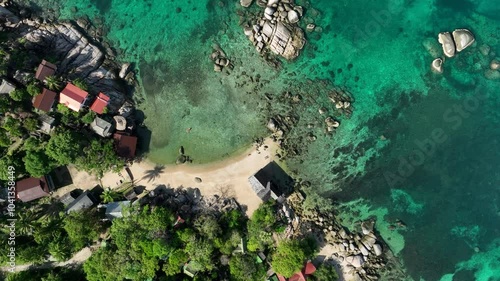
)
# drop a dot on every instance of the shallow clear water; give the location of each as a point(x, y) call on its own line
point(420, 147)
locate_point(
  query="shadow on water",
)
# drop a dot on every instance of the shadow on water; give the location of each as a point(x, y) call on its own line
point(102, 5)
point(143, 133)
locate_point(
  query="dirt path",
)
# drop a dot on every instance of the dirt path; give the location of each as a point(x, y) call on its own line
point(78, 258)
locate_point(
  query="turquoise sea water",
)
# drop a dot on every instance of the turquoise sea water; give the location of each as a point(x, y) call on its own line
point(421, 148)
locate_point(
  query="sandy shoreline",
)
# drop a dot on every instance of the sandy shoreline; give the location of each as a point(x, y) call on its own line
point(227, 177)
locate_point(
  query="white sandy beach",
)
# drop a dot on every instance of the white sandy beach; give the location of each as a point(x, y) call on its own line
point(228, 177)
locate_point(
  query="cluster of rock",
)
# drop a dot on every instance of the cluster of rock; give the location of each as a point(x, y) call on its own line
point(360, 255)
point(183, 158)
point(187, 202)
point(220, 59)
point(452, 43)
point(278, 28)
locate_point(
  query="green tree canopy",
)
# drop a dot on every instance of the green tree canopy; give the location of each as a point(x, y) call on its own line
point(289, 258)
point(4, 138)
point(34, 89)
point(13, 126)
point(208, 226)
point(326, 272)
point(14, 161)
point(88, 117)
point(53, 83)
point(82, 227)
point(81, 84)
point(99, 157)
point(175, 262)
point(32, 143)
point(245, 267)
point(19, 94)
point(37, 163)
point(64, 147)
point(30, 124)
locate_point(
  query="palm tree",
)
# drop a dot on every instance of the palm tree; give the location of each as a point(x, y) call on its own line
point(26, 222)
point(151, 175)
point(52, 82)
point(109, 195)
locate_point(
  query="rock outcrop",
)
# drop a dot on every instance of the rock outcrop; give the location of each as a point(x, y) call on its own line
point(79, 57)
point(463, 38)
point(446, 41)
point(278, 29)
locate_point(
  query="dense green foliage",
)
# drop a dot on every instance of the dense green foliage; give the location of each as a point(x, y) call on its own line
point(53, 83)
point(244, 267)
point(34, 89)
point(289, 258)
point(260, 226)
point(37, 163)
point(326, 272)
point(19, 94)
point(99, 157)
point(82, 228)
point(43, 230)
point(146, 243)
point(57, 274)
point(64, 147)
point(81, 84)
point(88, 117)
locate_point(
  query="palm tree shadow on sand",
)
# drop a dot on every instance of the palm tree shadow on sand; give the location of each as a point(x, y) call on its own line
point(154, 173)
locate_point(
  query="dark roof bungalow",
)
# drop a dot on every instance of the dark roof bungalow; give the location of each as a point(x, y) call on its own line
point(32, 188)
point(100, 103)
point(45, 101)
point(271, 182)
point(125, 145)
point(82, 202)
point(45, 69)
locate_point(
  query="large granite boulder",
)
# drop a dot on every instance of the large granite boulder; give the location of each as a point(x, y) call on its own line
point(447, 43)
point(463, 38)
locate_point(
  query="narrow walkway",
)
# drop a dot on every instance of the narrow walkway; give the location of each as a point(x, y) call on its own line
point(78, 258)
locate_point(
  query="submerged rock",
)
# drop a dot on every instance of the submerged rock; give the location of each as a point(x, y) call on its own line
point(246, 3)
point(463, 38)
point(437, 65)
point(495, 64)
point(447, 43)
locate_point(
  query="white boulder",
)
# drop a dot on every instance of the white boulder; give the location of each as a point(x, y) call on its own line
point(495, 65)
point(246, 3)
point(356, 261)
point(293, 16)
point(437, 65)
point(377, 249)
point(447, 43)
point(463, 38)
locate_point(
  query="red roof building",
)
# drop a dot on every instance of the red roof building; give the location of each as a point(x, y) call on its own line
point(32, 188)
point(308, 269)
point(73, 97)
point(100, 103)
point(45, 100)
point(45, 69)
point(125, 145)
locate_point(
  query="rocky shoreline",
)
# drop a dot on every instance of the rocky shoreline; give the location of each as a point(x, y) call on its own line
point(80, 49)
